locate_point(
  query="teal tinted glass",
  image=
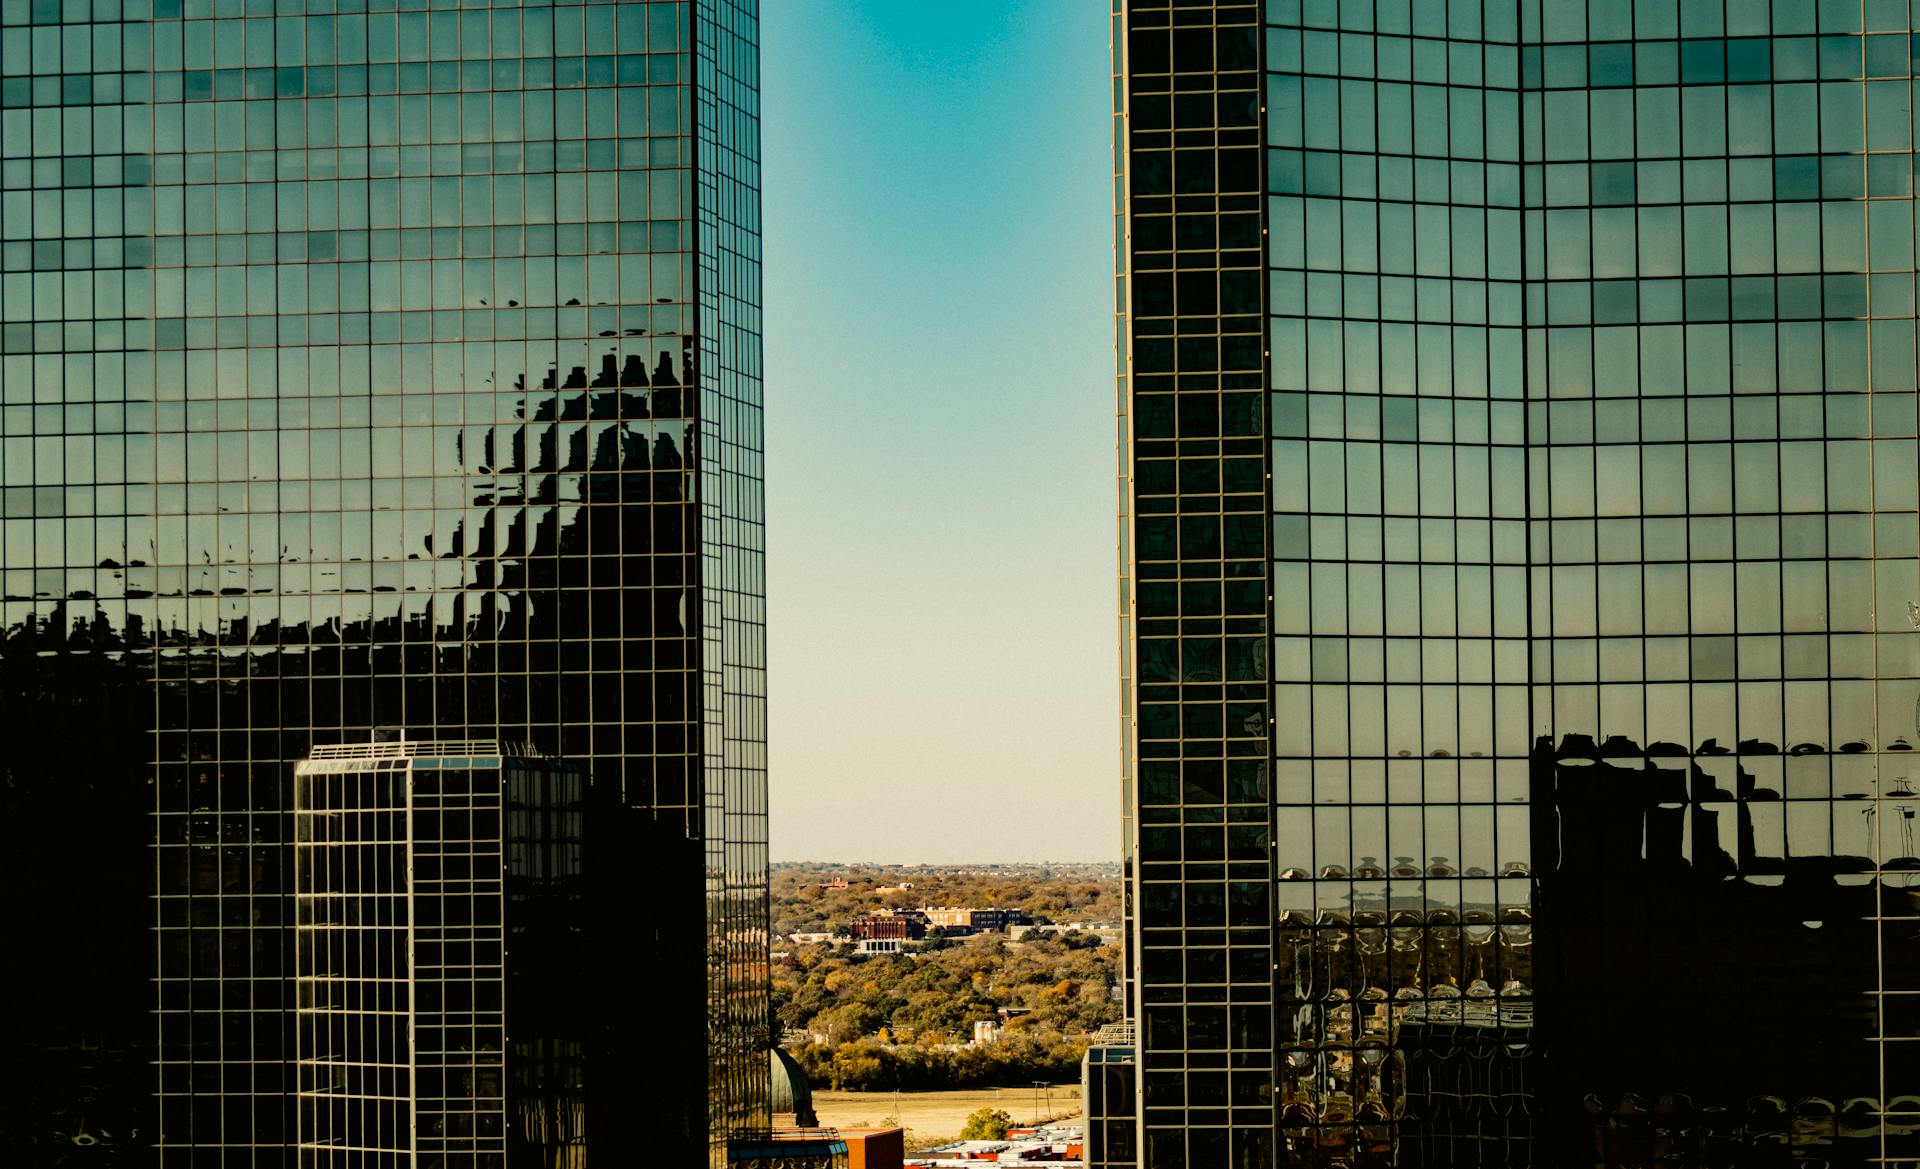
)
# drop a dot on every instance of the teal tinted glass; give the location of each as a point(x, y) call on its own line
point(353, 374)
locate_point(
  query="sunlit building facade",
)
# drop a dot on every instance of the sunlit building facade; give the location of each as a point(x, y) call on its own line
point(365, 365)
point(1522, 579)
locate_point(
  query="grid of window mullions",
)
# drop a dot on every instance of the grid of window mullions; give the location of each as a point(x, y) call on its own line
point(354, 1069)
point(415, 242)
point(732, 616)
point(444, 1043)
point(459, 1042)
point(1657, 236)
point(253, 145)
point(1330, 926)
point(1199, 587)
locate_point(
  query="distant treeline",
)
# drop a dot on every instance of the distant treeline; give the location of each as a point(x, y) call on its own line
point(804, 902)
point(871, 1066)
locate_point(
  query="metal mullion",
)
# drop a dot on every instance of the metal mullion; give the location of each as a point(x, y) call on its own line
point(405, 881)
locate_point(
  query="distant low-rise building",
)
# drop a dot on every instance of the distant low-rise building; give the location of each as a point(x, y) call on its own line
point(951, 918)
point(875, 1148)
point(904, 926)
point(1056, 1143)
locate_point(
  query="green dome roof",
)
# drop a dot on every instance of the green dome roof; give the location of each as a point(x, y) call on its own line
point(791, 1091)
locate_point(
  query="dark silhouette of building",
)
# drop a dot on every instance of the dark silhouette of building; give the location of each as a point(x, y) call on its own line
point(1724, 939)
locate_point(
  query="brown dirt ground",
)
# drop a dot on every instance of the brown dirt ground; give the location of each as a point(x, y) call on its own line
point(933, 1117)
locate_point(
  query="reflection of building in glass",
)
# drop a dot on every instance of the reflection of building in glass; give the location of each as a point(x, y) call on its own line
point(1728, 929)
point(359, 369)
point(1106, 1099)
point(1519, 514)
point(439, 903)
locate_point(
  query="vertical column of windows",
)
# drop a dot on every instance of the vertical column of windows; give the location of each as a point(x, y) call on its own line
point(1404, 974)
point(354, 1066)
point(1122, 346)
point(1109, 1070)
point(732, 558)
point(459, 1019)
point(72, 176)
point(1198, 483)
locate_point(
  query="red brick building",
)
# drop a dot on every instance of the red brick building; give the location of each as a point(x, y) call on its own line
point(904, 927)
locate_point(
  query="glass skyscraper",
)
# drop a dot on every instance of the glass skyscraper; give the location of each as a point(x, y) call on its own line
point(1520, 551)
point(366, 364)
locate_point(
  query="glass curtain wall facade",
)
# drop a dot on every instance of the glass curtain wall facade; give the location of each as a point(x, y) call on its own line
point(363, 363)
point(733, 617)
point(1592, 560)
point(1203, 894)
point(439, 905)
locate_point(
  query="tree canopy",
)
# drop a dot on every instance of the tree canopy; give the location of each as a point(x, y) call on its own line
point(987, 1124)
point(906, 1020)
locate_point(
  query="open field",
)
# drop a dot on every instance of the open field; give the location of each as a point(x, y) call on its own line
point(934, 1116)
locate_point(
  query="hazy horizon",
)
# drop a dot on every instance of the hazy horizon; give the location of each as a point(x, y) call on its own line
point(857, 864)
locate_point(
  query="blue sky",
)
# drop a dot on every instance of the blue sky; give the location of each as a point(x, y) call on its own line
point(940, 426)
